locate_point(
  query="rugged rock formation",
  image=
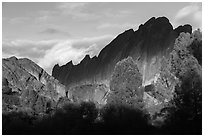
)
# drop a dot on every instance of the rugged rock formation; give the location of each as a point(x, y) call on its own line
point(27, 86)
point(92, 92)
point(148, 44)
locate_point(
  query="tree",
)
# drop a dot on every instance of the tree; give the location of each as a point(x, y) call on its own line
point(166, 82)
point(196, 47)
point(182, 58)
point(186, 114)
point(125, 84)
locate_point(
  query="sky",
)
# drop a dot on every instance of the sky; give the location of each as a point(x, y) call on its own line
point(52, 33)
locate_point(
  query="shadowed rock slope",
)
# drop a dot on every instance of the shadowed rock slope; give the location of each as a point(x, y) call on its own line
point(147, 45)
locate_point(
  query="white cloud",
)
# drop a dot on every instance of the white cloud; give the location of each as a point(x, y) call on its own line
point(47, 53)
point(28, 43)
point(191, 14)
point(26, 48)
point(74, 50)
point(193, 8)
point(61, 53)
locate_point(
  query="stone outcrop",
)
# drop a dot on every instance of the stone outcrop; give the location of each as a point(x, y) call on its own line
point(92, 92)
point(147, 45)
point(25, 85)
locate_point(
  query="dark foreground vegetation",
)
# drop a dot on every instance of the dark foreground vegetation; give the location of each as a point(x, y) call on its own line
point(86, 119)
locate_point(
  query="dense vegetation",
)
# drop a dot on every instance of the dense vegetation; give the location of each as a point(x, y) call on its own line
point(125, 84)
point(179, 86)
point(185, 64)
point(80, 119)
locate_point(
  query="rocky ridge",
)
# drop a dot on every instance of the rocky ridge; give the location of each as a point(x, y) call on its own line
point(147, 45)
point(25, 85)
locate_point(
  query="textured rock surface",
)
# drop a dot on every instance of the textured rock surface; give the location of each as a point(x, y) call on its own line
point(27, 86)
point(148, 44)
point(92, 92)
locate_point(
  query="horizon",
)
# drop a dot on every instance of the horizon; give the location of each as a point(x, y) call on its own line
point(56, 33)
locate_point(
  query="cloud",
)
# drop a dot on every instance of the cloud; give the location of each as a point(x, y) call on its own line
point(84, 43)
point(47, 53)
point(74, 50)
point(191, 14)
point(26, 48)
point(53, 31)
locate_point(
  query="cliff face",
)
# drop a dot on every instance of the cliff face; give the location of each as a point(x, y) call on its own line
point(91, 92)
point(29, 85)
point(147, 45)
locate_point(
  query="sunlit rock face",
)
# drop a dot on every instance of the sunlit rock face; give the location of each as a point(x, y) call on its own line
point(147, 45)
point(27, 85)
point(91, 92)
